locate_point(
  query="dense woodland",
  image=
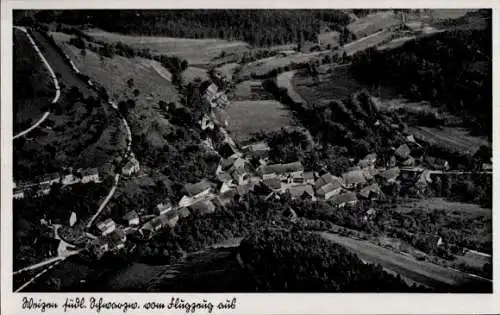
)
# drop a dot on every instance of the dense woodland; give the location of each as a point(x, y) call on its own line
point(282, 27)
point(452, 70)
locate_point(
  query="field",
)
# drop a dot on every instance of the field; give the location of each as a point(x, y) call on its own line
point(33, 86)
point(419, 271)
point(329, 38)
point(243, 91)
point(436, 204)
point(193, 73)
point(448, 137)
point(367, 42)
point(338, 84)
point(373, 23)
point(263, 66)
point(150, 78)
point(249, 117)
point(195, 51)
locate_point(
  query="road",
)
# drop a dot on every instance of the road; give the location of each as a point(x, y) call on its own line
point(106, 200)
point(426, 273)
point(52, 75)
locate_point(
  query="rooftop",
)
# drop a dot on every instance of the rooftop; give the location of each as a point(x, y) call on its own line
point(273, 183)
point(90, 171)
point(299, 190)
point(203, 207)
point(282, 168)
point(194, 189)
point(353, 177)
point(348, 197)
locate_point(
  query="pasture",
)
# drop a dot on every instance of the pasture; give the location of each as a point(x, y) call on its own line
point(193, 73)
point(250, 90)
point(453, 138)
point(195, 51)
point(249, 117)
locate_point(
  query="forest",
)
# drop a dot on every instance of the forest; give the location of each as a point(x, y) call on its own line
point(281, 27)
point(452, 70)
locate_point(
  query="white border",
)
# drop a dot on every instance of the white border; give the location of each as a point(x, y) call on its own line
point(247, 303)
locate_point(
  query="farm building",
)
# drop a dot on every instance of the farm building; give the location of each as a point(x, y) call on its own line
point(302, 191)
point(353, 179)
point(257, 150)
point(106, 227)
point(329, 190)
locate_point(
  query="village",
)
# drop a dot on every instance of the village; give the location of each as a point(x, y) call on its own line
point(242, 170)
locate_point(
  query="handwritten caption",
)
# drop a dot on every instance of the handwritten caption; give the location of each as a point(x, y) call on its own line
point(99, 304)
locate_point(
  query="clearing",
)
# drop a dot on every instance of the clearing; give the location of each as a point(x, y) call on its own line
point(195, 51)
point(249, 117)
point(149, 77)
point(373, 23)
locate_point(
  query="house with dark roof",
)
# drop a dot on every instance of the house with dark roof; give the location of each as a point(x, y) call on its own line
point(257, 150)
point(353, 179)
point(228, 150)
point(198, 190)
point(389, 175)
point(328, 191)
point(309, 178)
point(302, 191)
point(344, 199)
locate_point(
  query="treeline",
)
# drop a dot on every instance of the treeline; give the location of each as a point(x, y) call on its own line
point(452, 70)
point(257, 27)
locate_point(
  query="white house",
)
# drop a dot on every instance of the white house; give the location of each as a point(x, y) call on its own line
point(163, 208)
point(131, 167)
point(132, 218)
point(206, 123)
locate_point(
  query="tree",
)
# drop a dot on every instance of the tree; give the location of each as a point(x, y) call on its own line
point(130, 83)
point(136, 92)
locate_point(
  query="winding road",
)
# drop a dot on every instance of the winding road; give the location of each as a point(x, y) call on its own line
point(53, 76)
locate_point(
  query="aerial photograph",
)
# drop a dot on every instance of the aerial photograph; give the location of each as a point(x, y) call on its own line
point(252, 150)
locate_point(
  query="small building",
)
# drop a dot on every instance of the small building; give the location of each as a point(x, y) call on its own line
point(163, 207)
point(72, 218)
point(353, 179)
point(169, 219)
point(69, 179)
point(90, 175)
point(344, 199)
point(132, 218)
point(403, 152)
point(198, 190)
point(106, 227)
point(302, 191)
point(294, 169)
point(131, 167)
point(203, 207)
point(389, 175)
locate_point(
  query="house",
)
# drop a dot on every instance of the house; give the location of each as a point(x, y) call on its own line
point(203, 207)
point(132, 218)
point(371, 192)
point(207, 144)
point(403, 152)
point(344, 199)
point(240, 176)
point(99, 247)
point(487, 167)
point(370, 173)
point(163, 207)
point(410, 161)
point(90, 175)
point(225, 178)
point(206, 123)
point(131, 167)
point(153, 225)
point(210, 93)
point(328, 191)
point(294, 169)
point(308, 178)
point(106, 227)
point(228, 150)
point(69, 179)
point(302, 191)
point(353, 179)
point(389, 175)
point(198, 190)
point(372, 158)
point(18, 193)
point(274, 184)
point(326, 179)
point(169, 219)
point(116, 239)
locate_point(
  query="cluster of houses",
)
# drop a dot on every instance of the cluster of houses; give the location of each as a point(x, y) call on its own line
point(42, 185)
